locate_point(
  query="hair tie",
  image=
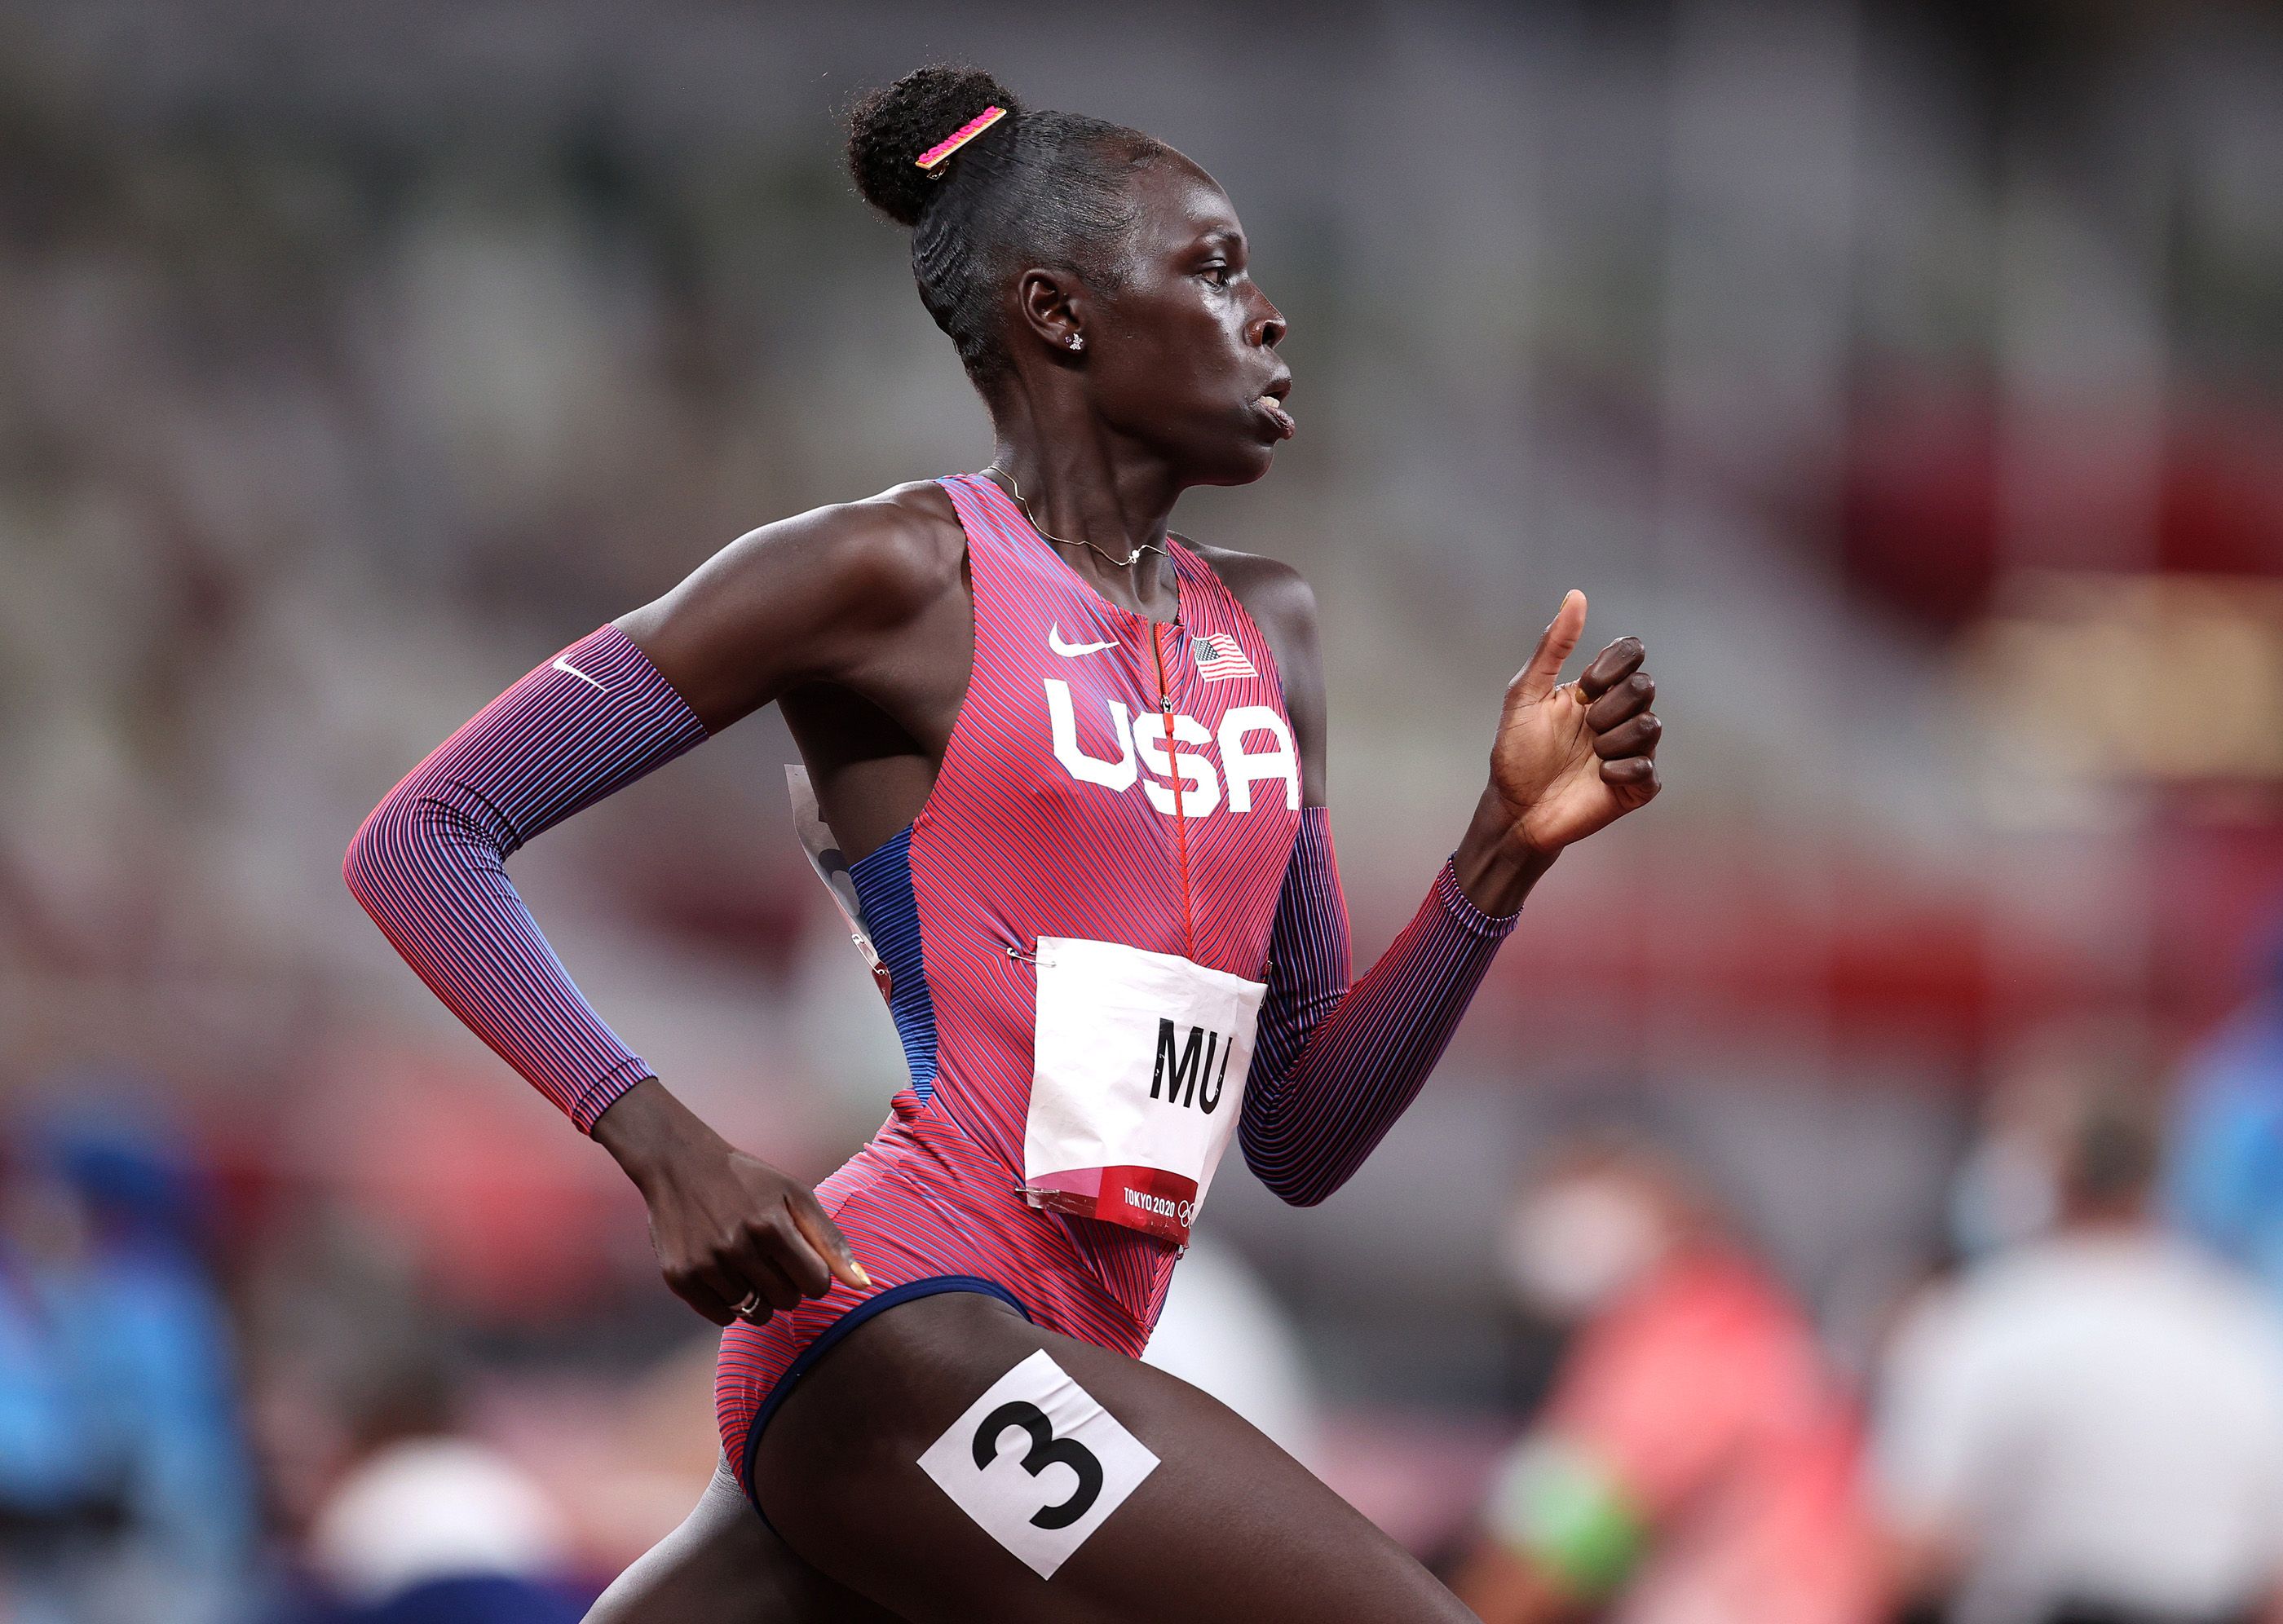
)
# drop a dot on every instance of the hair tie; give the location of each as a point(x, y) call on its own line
point(933, 157)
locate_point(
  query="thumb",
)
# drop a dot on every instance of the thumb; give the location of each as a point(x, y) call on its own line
point(1537, 678)
point(823, 1233)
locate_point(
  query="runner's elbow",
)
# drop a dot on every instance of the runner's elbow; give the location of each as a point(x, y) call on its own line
point(365, 865)
point(1294, 1186)
point(1306, 1191)
point(403, 847)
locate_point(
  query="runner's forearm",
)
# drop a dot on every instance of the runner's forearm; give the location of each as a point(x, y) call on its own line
point(648, 1131)
point(1335, 1065)
point(430, 864)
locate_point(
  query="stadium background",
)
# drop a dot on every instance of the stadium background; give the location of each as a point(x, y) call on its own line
point(1910, 378)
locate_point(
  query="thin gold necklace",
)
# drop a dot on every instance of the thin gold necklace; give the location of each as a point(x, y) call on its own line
point(1127, 563)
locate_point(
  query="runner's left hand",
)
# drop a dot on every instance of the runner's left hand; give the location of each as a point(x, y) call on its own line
point(729, 1230)
point(1571, 757)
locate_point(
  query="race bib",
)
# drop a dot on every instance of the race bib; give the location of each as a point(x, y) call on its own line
point(1138, 1080)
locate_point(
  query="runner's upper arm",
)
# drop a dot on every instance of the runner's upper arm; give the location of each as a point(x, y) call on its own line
point(800, 601)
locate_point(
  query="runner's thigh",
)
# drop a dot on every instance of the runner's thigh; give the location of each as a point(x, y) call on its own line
point(1225, 1526)
point(722, 1565)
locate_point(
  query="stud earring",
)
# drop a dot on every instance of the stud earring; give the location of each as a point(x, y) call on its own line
point(1077, 341)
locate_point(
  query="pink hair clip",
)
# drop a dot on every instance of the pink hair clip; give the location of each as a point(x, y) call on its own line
point(934, 156)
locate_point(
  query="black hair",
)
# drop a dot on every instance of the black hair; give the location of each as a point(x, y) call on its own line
point(1047, 188)
point(2114, 1153)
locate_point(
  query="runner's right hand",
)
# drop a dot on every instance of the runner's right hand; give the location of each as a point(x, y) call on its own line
point(727, 1227)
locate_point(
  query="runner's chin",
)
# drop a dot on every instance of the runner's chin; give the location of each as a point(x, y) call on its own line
point(1250, 451)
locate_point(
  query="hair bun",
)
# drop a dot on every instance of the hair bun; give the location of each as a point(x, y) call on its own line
point(890, 129)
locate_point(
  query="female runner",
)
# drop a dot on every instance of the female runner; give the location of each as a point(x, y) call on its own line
point(1080, 763)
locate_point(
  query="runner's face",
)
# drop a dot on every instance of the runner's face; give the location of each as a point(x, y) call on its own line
point(1183, 357)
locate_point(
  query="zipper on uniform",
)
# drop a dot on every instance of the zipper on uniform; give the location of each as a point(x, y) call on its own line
point(1181, 821)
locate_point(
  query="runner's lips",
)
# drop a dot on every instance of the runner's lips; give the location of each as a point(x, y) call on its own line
point(1273, 408)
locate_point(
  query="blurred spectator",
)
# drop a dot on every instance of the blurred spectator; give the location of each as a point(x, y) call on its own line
point(2007, 1188)
point(2224, 1177)
point(53, 1496)
point(441, 1528)
point(2089, 1427)
point(123, 1471)
point(428, 1525)
point(1696, 1461)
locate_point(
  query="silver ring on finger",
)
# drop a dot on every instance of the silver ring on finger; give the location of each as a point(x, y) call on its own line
point(745, 1309)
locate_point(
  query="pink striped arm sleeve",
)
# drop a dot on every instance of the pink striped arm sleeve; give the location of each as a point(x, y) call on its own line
point(430, 865)
point(1336, 1065)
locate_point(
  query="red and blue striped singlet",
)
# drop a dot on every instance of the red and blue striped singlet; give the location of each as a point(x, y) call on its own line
point(1110, 779)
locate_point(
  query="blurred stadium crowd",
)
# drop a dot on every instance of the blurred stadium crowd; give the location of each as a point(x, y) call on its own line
point(1858, 1193)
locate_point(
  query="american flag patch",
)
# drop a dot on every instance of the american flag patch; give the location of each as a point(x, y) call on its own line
point(1219, 659)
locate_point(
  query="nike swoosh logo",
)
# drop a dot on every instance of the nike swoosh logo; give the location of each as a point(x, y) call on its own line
point(563, 664)
point(1071, 651)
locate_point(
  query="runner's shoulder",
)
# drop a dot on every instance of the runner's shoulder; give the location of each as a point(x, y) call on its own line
point(880, 556)
point(901, 548)
point(1283, 606)
point(1276, 596)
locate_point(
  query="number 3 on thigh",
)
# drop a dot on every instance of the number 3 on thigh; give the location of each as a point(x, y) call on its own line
point(1046, 1450)
point(1008, 1495)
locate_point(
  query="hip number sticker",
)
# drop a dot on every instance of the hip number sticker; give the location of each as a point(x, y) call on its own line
point(1016, 1494)
point(1046, 1450)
